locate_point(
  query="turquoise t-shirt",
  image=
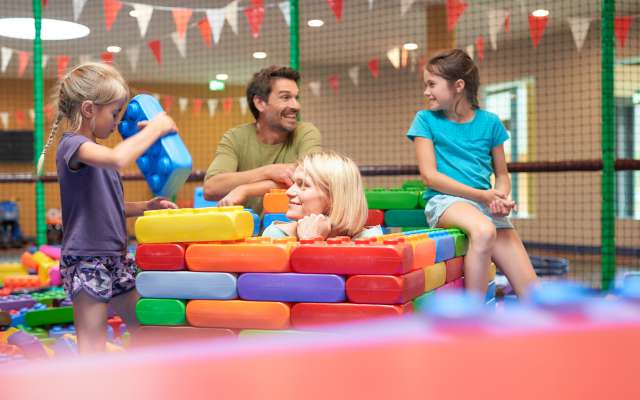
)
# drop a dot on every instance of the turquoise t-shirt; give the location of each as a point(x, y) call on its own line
point(463, 150)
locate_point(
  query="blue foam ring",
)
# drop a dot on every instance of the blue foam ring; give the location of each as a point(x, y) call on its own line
point(561, 295)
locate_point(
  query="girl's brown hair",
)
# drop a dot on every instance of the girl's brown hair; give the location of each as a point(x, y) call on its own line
point(455, 64)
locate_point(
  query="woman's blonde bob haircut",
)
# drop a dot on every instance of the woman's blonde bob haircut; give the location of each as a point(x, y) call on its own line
point(339, 177)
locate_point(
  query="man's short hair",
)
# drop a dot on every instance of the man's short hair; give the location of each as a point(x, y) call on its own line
point(260, 84)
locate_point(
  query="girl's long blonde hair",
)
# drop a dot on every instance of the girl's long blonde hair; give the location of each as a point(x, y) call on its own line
point(97, 82)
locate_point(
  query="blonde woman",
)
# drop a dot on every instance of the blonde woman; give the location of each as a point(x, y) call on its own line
point(325, 200)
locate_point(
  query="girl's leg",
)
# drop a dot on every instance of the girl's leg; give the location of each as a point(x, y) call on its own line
point(511, 257)
point(125, 307)
point(90, 317)
point(482, 237)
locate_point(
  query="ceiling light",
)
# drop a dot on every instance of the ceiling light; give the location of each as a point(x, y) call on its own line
point(410, 46)
point(315, 23)
point(259, 55)
point(114, 49)
point(134, 13)
point(52, 29)
point(222, 77)
point(540, 13)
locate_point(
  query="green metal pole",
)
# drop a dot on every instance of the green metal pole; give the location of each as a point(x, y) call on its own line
point(38, 106)
point(608, 217)
point(294, 35)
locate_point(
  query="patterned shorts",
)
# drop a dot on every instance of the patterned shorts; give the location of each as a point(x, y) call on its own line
point(102, 277)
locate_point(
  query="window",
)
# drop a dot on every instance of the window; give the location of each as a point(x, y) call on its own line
point(628, 146)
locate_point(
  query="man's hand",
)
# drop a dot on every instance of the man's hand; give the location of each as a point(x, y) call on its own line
point(159, 203)
point(280, 173)
point(234, 198)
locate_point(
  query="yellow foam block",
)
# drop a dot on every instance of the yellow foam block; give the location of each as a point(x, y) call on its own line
point(194, 225)
point(11, 269)
point(434, 276)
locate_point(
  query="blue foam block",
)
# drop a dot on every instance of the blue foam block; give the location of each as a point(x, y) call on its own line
point(321, 288)
point(186, 285)
point(491, 292)
point(199, 200)
point(445, 245)
point(166, 165)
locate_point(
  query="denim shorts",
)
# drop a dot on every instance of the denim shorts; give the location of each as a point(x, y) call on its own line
point(101, 277)
point(438, 204)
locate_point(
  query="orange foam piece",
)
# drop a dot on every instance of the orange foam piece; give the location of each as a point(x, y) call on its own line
point(276, 201)
point(27, 260)
point(385, 289)
point(149, 335)
point(454, 268)
point(22, 282)
point(424, 250)
point(256, 254)
point(238, 314)
point(313, 314)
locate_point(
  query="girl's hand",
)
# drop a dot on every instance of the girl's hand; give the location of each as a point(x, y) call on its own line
point(502, 208)
point(491, 195)
point(314, 226)
point(235, 197)
point(160, 203)
point(161, 123)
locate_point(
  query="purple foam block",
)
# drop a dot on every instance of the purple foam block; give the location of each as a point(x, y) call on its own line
point(291, 287)
point(16, 302)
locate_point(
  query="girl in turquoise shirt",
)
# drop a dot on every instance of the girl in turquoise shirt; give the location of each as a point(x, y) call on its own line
point(459, 146)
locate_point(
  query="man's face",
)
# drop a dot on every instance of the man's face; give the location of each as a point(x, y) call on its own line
point(281, 109)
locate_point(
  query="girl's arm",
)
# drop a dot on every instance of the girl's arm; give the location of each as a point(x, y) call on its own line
point(126, 151)
point(503, 182)
point(137, 208)
point(442, 183)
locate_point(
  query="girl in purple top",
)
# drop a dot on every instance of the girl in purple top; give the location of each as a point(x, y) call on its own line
point(94, 265)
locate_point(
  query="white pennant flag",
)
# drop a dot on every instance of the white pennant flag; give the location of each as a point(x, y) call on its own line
point(579, 30)
point(285, 7)
point(405, 5)
point(4, 117)
point(496, 24)
point(470, 50)
point(181, 43)
point(213, 104)
point(231, 14)
point(370, 5)
point(45, 60)
point(32, 114)
point(182, 103)
point(143, 15)
point(6, 57)
point(315, 88)
point(354, 74)
point(244, 106)
point(216, 19)
point(133, 54)
point(78, 5)
point(84, 58)
point(394, 56)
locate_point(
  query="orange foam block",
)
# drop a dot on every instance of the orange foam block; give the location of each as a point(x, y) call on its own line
point(259, 254)
point(313, 314)
point(385, 289)
point(148, 335)
point(276, 201)
point(454, 267)
point(238, 314)
point(22, 282)
point(160, 256)
point(424, 250)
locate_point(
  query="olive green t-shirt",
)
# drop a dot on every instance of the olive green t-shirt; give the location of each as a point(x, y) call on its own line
point(240, 150)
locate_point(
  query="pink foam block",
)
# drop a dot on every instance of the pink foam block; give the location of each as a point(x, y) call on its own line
point(51, 251)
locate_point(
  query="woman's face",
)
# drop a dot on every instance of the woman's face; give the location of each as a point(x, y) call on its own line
point(305, 197)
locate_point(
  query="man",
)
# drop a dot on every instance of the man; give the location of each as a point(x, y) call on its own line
point(253, 158)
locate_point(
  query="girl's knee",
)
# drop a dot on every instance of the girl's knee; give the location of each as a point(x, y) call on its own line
point(483, 236)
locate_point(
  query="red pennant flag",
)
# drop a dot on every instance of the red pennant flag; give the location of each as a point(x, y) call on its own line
point(154, 45)
point(181, 17)
point(48, 112)
point(167, 102)
point(197, 106)
point(374, 67)
point(336, 7)
point(20, 119)
point(111, 9)
point(227, 104)
point(455, 9)
point(480, 47)
point(507, 23)
point(622, 26)
point(63, 61)
point(334, 83)
point(255, 16)
point(205, 31)
point(107, 57)
point(537, 25)
point(23, 61)
point(45, 2)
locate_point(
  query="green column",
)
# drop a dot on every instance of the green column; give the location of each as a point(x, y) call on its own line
point(294, 35)
point(38, 106)
point(608, 217)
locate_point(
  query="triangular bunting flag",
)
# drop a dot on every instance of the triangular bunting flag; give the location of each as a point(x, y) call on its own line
point(4, 117)
point(370, 5)
point(23, 61)
point(315, 88)
point(32, 114)
point(63, 61)
point(455, 9)
point(111, 9)
point(106, 57)
point(212, 104)
point(197, 106)
point(227, 105)
point(167, 103)
point(405, 5)
point(255, 16)
point(133, 54)
point(496, 24)
point(45, 60)
point(394, 57)
point(143, 14)
point(181, 43)
point(579, 29)
point(479, 46)
point(156, 48)
point(181, 17)
point(622, 26)
point(205, 31)
point(354, 74)
point(231, 15)
point(507, 23)
point(20, 119)
point(537, 25)
point(78, 5)
point(334, 83)
point(244, 105)
point(183, 102)
point(6, 57)
point(374, 67)
point(216, 19)
point(469, 50)
point(336, 7)
point(285, 8)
